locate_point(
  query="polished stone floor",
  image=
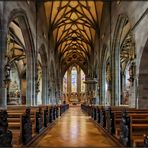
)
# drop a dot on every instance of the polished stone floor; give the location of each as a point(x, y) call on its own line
point(74, 129)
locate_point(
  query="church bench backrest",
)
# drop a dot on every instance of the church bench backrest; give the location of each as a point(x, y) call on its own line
point(133, 123)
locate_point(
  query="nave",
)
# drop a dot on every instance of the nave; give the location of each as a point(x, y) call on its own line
point(74, 129)
point(59, 53)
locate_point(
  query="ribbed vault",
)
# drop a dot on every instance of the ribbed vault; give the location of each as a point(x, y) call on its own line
point(74, 25)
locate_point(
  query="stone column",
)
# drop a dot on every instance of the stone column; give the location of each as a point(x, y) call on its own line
point(29, 79)
point(44, 85)
point(3, 47)
point(53, 92)
point(47, 98)
point(69, 83)
point(3, 33)
point(115, 96)
point(3, 98)
point(49, 93)
point(79, 83)
point(102, 85)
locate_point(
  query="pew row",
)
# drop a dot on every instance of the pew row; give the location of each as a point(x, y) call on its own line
point(27, 123)
point(126, 125)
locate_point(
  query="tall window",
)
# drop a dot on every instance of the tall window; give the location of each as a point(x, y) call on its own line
point(65, 83)
point(74, 79)
point(82, 81)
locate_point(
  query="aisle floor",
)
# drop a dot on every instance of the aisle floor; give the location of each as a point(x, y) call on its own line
point(74, 129)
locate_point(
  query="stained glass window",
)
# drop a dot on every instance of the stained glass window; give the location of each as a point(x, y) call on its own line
point(82, 81)
point(65, 83)
point(74, 79)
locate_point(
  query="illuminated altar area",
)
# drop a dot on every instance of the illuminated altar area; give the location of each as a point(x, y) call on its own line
point(73, 85)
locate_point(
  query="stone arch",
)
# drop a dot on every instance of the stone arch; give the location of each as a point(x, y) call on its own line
point(123, 59)
point(115, 58)
point(29, 51)
point(77, 63)
point(143, 79)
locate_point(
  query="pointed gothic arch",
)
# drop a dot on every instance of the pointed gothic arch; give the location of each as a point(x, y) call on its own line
point(23, 24)
point(123, 57)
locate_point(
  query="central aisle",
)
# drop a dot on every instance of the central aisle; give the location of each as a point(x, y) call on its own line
point(74, 129)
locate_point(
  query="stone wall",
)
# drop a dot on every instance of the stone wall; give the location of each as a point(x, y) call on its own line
point(138, 18)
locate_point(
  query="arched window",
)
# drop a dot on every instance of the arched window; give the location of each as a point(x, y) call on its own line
point(65, 83)
point(82, 81)
point(74, 79)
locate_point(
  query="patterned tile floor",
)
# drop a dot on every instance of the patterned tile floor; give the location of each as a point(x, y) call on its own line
point(74, 129)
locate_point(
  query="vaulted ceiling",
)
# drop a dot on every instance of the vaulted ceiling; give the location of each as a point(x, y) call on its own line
point(74, 25)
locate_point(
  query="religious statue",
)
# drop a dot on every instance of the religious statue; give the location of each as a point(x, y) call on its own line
point(7, 71)
point(126, 97)
point(108, 76)
point(132, 71)
point(37, 81)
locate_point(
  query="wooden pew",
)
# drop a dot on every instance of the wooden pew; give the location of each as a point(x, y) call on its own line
point(15, 123)
point(145, 141)
point(5, 133)
point(86, 108)
point(133, 127)
point(40, 117)
point(113, 118)
point(13, 110)
point(125, 124)
point(45, 112)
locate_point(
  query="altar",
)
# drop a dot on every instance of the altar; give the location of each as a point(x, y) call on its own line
point(73, 98)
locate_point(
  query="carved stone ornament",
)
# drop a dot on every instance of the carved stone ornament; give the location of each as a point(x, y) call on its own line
point(7, 79)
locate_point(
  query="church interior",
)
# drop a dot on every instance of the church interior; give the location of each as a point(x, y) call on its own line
point(74, 73)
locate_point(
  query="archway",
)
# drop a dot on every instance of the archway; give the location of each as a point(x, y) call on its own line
point(15, 68)
point(20, 53)
point(143, 79)
point(123, 59)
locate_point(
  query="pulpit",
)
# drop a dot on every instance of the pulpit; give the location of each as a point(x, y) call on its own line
point(91, 90)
